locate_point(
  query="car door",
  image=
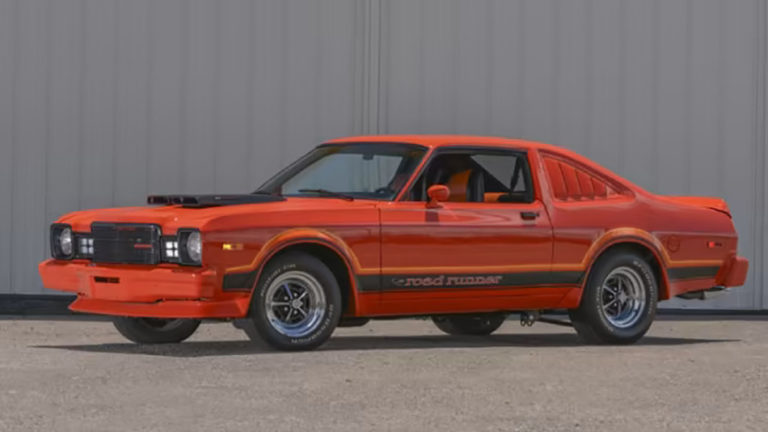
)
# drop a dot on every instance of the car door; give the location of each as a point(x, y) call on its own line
point(490, 240)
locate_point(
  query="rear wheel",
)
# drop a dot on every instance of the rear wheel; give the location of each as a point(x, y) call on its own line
point(619, 300)
point(473, 325)
point(155, 330)
point(297, 304)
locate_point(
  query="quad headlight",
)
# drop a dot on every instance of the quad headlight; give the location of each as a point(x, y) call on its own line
point(195, 247)
point(185, 248)
point(190, 244)
point(62, 241)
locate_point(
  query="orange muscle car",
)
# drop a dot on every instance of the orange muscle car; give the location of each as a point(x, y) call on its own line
point(459, 228)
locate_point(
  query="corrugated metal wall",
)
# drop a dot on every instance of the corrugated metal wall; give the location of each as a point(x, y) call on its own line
point(104, 101)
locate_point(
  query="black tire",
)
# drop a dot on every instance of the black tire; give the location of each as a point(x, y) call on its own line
point(353, 322)
point(597, 325)
point(155, 330)
point(291, 267)
point(469, 325)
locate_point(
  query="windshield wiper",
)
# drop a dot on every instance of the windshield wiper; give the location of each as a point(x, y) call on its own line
point(329, 193)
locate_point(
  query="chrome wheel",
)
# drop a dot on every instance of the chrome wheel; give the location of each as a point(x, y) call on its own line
point(295, 304)
point(623, 297)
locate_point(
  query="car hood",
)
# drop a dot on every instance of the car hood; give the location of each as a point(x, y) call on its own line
point(174, 216)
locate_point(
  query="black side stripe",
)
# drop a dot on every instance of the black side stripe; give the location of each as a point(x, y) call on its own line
point(692, 272)
point(239, 281)
point(422, 282)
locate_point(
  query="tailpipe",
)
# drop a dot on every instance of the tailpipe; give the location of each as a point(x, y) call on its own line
point(705, 294)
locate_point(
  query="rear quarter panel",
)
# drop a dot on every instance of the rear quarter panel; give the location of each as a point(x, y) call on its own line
point(689, 242)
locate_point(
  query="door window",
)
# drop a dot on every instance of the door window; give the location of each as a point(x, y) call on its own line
point(477, 176)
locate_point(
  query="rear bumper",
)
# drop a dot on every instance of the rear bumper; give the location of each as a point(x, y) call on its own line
point(733, 273)
point(165, 291)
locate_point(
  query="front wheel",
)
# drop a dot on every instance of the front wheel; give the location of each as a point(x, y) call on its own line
point(472, 325)
point(155, 330)
point(619, 300)
point(297, 303)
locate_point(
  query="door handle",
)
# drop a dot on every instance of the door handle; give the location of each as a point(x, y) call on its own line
point(529, 215)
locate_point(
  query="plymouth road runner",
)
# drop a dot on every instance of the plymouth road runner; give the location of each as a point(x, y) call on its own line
point(462, 229)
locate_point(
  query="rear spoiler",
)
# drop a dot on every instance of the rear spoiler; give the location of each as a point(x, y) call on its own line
point(198, 201)
point(713, 203)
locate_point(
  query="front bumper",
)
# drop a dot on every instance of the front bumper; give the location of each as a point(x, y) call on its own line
point(163, 291)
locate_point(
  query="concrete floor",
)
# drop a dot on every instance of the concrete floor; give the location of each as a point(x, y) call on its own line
point(694, 374)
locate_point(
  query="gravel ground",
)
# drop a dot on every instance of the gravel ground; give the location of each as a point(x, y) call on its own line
point(688, 375)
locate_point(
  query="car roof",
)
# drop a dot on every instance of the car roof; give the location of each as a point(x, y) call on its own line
point(447, 141)
point(436, 141)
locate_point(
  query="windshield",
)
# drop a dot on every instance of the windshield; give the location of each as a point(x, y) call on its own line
point(367, 171)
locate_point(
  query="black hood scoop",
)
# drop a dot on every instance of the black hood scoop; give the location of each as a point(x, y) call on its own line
point(200, 201)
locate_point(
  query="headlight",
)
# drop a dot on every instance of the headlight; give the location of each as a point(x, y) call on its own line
point(62, 242)
point(65, 241)
point(195, 247)
point(190, 247)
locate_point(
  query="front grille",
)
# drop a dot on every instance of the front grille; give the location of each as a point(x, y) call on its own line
point(122, 243)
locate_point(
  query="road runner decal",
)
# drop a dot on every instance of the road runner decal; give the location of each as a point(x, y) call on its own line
point(368, 283)
point(446, 281)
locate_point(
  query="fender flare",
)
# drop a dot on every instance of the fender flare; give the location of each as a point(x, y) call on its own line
point(298, 236)
point(629, 236)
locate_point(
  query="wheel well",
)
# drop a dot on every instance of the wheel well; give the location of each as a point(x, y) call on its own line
point(334, 262)
point(648, 255)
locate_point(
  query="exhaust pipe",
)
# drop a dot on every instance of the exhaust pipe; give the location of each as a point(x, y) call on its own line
point(706, 294)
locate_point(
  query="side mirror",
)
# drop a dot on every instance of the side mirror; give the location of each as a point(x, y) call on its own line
point(436, 194)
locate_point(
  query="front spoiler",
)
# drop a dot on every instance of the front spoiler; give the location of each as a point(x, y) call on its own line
point(233, 308)
point(167, 291)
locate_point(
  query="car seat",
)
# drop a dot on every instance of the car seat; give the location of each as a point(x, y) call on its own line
point(466, 186)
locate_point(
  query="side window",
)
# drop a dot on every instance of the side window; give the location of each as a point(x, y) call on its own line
point(478, 176)
point(572, 183)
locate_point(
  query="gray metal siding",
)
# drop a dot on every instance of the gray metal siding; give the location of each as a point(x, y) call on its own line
point(662, 92)
point(105, 101)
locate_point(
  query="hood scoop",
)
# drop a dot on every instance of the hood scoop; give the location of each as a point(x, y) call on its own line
point(201, 201)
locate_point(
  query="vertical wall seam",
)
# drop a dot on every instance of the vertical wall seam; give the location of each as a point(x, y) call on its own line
point(216, 95)
point(48, 116)
point(317, 77)
point(590, 73)
point(115, 104)
point(14, 140)
point(148, 109)
point(455, 59)
point(81, 99)
point(422, 96)
point(761, 145)
point(490, 75)
point(357, 73)
point(285, 45)
point(759, 180)
point(655, 132)
point(622, 99)
point(687, 93)
point(554, 94)
point(381, 86)
point(720, 95)
point(372, 30)
point(520, 81)
point(182, 88)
